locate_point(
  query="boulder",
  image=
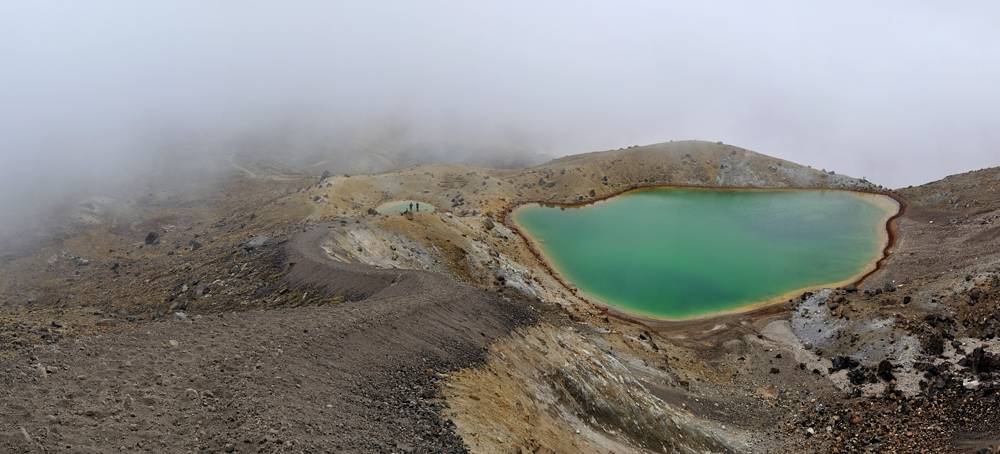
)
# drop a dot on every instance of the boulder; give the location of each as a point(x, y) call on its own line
point(256, 242)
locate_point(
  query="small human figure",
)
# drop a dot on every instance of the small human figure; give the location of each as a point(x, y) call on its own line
point(411, 207)
point(418, 206)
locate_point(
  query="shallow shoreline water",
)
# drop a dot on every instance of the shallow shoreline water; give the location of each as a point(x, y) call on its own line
point(889, 208)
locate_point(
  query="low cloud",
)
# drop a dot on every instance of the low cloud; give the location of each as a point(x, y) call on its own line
point(94, 95)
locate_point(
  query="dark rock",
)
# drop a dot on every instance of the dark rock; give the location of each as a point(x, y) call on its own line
point(981, 361)
point(937, 379)
point(152, 238)
point(934, 345)
point(857, 377)
point(194, 245)
point(843, 362)
point(939, 321)
point(774, 370)
point(885, 370)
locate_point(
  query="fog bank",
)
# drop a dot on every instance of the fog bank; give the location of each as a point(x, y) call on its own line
point(95, 94)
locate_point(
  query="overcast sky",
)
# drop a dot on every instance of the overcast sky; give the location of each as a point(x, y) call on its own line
point(898, 92)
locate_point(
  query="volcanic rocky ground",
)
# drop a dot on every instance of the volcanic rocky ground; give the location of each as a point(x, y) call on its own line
point(277, 312)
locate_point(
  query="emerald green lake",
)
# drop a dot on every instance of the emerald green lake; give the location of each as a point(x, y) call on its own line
point(685, 253)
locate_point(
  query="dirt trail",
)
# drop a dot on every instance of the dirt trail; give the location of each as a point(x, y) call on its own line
point(356, 377)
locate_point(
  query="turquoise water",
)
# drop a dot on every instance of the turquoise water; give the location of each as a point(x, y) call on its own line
point(680, 253)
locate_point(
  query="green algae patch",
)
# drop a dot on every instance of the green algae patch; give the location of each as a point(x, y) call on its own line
point(686, 253)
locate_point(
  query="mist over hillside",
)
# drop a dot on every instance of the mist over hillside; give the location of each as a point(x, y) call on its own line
point(110, 99)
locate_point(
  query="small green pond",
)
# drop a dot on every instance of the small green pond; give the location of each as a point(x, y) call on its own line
point(401, 206)
point(685, 253)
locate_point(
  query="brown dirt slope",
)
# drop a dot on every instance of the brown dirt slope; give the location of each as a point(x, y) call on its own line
point(950, 224)
point(353, 376)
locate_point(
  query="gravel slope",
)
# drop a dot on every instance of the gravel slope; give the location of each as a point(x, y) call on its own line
point(354, 376)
